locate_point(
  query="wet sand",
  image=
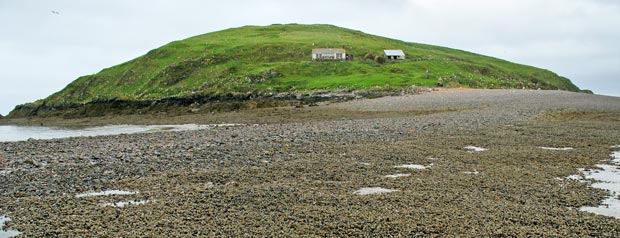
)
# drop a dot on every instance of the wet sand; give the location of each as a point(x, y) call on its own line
point(298, 171)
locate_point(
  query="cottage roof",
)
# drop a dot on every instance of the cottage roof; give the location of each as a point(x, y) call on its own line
point(394, 52)
point(328, 51)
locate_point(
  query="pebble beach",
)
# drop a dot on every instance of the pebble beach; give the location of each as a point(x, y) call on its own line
point(411, 166)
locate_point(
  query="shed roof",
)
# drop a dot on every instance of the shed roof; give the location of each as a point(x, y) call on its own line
point(328, 51)
point(394, 52)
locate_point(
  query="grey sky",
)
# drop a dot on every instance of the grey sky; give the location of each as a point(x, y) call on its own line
point(41, 52)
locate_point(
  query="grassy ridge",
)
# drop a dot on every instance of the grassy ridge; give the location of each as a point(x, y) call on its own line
point(255, 60)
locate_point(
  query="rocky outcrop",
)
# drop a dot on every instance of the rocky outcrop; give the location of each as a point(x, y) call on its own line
point(193, 104)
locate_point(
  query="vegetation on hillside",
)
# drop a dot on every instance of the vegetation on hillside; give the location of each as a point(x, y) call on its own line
point(266, 60)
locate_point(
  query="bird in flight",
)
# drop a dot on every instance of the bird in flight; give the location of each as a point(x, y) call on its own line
point(55, 12)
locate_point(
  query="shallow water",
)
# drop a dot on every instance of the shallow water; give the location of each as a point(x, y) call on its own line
point(558, 149)
point(574, 177)
point(6, 233)
point(607, 178)
point(471, 172)
point(412, 166)
point(374, 190)
point(475, 148)
point(125, 203)
point(397, 175)
point(22, 133)
point(105, 193)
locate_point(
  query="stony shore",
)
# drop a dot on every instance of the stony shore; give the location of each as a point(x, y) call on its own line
point(295, 171)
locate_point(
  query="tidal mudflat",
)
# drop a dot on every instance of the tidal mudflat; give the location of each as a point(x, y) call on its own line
point(298, 175)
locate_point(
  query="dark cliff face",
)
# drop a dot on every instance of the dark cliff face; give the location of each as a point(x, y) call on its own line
point(170, 106)
point(191, 104)
point(20, 112)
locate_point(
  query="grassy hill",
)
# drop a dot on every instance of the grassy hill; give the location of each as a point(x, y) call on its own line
point(266, 60)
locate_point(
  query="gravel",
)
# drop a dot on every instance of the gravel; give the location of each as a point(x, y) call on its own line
point(298, 176)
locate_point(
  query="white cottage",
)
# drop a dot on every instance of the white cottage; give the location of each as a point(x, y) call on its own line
point(329, 54)
point(394, 54)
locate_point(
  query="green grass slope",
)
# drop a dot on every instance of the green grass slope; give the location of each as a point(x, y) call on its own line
point(266, 60)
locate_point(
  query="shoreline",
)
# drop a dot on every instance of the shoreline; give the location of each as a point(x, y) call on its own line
point(266, 114)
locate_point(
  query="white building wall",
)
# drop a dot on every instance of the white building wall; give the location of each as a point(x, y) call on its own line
point(332, 56)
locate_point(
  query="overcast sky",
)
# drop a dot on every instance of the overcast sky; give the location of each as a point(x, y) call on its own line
point(46, 44)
